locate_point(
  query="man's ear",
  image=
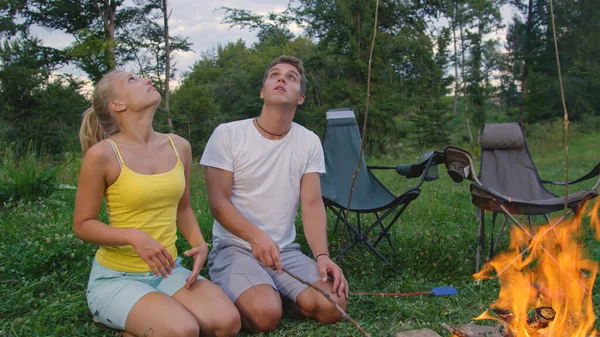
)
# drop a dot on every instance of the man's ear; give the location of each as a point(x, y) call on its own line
point(117, 106)
point(301, 99)
point(262, 93)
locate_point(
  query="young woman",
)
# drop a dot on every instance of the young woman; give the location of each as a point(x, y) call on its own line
point(136, 283)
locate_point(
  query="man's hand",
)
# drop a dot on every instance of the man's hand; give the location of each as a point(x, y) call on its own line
point(266, 251)
point(199, 253)
point(327, 266)
point(156, 256)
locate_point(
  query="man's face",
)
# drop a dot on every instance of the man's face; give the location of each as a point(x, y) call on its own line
point(282, 86)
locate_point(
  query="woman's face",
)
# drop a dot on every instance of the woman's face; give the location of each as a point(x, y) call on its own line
point(134, 93)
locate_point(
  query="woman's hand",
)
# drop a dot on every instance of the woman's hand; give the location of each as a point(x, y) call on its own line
point(153, 253)
point(199, 252)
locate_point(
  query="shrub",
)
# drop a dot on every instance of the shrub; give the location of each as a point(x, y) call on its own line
point(27, 178)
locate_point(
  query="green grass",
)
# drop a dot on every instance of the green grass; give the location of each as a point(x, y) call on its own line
point(436, 240)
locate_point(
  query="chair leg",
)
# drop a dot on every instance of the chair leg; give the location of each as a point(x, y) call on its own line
point(499, 235)
point(480, 241)
point(492, 244)
point(383, 258)
point(360, 235)
point(530, 220)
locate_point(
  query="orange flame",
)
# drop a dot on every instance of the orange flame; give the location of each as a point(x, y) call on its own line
point(550, 269)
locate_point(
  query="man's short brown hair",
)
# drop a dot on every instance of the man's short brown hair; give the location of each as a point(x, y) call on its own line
point(294, 61)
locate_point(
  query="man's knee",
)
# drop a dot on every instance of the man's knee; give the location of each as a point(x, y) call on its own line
point(321, 309)
point(263, 318)
point(328, 314)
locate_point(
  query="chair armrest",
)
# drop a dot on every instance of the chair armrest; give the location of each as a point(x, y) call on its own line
point(593, 173)
point(425, 163)
point(460, 165)
point(407, 170)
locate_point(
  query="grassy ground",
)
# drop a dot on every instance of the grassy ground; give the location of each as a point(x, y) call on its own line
point(436, 240)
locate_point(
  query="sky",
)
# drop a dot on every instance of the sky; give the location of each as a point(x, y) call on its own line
point(200, 20)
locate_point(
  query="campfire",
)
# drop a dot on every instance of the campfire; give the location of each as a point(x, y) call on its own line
point(546, 282)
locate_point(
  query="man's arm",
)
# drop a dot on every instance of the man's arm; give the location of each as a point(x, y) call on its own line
point(314, 220)
point(219, 184)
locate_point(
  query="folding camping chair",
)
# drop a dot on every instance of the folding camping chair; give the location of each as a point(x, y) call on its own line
point(342, 147)
point(509, 182)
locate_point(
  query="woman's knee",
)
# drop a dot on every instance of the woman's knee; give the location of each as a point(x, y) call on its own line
point(225, 323)
point(181, 328)
point(189, 328)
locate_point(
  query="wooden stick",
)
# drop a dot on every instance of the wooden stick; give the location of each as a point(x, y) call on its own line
point(566, 113)
point(8, 281)
point(364, 134)
point(344, 314)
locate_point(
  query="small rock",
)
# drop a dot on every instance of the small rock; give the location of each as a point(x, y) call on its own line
point(474, 330)
point(417, 333)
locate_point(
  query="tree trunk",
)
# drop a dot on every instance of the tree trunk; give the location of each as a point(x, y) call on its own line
point(167, 65)
point(453, 24)
point(526, 57)
point(464, 86)
point(108, 20)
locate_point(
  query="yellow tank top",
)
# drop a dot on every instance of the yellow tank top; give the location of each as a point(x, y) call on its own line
point(145, 202)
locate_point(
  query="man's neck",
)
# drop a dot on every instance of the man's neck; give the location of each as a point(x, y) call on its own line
point(275, 120)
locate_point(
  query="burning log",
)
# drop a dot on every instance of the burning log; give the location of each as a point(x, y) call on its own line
point(504, 314)
point(541, 317)
point(507, 319)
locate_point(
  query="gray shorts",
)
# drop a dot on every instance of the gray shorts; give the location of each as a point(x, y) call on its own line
point(235, 270)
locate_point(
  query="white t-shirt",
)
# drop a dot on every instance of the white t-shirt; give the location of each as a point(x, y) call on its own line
point(266, 175)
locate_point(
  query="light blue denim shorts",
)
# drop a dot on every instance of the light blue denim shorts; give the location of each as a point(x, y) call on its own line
point(111, 294)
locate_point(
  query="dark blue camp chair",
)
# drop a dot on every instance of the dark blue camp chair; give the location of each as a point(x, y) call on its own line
point(342, 147)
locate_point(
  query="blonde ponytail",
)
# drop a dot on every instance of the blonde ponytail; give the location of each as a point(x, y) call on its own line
point(98, 121)
point(90, 131)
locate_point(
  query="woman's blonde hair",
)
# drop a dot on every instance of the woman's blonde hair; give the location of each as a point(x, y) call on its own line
point(98, 121)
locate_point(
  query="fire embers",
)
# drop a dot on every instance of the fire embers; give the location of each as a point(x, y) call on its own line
point(538, 320)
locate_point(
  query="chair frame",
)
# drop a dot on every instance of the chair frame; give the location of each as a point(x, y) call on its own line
point(394, 209)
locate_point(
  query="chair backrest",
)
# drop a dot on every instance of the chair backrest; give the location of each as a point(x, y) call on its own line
point(341, 147)
point(506, 165)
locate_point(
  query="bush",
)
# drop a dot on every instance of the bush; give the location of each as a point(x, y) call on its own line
point(27, 178)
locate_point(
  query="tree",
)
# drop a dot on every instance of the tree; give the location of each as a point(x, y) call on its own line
point(93, 25)
point(525, 42)
point(486, 14)
point(10, 11)
point(148, 45)
point(272, 28)
point(33, 106)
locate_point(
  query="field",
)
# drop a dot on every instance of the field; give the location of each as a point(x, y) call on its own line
point(44, 267)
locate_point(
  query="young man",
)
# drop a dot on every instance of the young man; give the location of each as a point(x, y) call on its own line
point(257, 172)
